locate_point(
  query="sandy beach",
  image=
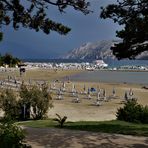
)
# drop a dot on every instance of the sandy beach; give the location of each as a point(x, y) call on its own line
point(85, 110)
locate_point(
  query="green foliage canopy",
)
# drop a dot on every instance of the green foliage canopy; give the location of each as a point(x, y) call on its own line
point(38, 98)
point(133, 112)
point(9, 104)
point(133, 16)
point(33, 97)
point(9, 60)
point(11, 136)
point(32, 14)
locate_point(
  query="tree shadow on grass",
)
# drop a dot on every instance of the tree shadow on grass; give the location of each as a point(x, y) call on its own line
point(63, 138)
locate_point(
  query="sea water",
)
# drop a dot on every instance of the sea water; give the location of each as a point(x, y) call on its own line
point(105, 76)
point(112, 77)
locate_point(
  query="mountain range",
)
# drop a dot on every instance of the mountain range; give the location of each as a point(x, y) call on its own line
point(97, 50)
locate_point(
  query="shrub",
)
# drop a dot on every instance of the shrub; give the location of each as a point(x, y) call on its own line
point(38, 99)
point(11, 136)
point(133, 112)
point(9, 60)
point(144, 116)
point(9, 104)
point(34, 101)
point(60, 120)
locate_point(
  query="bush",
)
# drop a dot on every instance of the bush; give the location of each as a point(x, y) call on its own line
point(11, 136)
point(9, 60)
point(34, 101)
point(60, 120)
point(144, 116)
point(38, 99)
point(9, 104)
point(133, 112)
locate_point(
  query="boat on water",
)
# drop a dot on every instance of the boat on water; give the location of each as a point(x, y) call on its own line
point(97, 64)
point(90, 68)
point(100, 63)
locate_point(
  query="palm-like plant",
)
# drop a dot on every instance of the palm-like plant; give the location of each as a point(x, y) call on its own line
point(60, 120)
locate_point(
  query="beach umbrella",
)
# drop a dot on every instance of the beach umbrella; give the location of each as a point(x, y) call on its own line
point(54, 84)
point(98, 95)
point(114, 92)
point(98, 87)
point(126, 96)
point(92, 89)
point(63, 84)
point(104, 93)
point(84, 88)
point(68, 78)
point(73, 87)
point(59, 91)
point(131, 93)
point(30, 81)
point(99, 90)
point(50, 86)
point(88, 92)
point(8, 77)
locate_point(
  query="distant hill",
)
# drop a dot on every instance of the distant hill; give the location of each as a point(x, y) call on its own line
point(143, 56)
point(97, 50)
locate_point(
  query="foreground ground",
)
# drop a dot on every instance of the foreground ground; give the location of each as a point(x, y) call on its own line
point(63, 138)
point(85, 110)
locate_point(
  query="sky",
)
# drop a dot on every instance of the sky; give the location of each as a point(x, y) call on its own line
point(28, 44)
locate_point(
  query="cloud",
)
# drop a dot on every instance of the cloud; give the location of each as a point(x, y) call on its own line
point(27, 43)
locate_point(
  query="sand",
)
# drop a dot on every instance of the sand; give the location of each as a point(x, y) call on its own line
point(85, 110)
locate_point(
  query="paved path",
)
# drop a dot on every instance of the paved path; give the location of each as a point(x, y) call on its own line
point(62, 138)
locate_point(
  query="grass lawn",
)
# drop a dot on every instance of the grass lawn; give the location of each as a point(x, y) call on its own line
point(115, 126)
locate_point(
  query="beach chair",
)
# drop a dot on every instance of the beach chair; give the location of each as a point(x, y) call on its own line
point(89, 97)
point(126, 98)
point(98, 103)
point(76, 100)
point(74, 94)
point(106, 99)
point(113, 92)
point(59, 94)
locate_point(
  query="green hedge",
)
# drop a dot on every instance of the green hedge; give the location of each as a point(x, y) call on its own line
point(133, 112)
